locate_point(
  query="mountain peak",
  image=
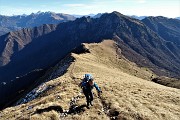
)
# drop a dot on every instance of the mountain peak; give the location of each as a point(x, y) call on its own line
point(84, 19)
point(117, 13)
point(114, 13)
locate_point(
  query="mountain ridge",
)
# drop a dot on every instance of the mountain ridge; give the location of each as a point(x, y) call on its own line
point(167, 28)
point(109, 33)
point(137, 42)
point(125, 95)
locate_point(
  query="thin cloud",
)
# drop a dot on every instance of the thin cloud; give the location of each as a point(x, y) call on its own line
point(118, 1)
point(43, 6)
point(74, 5)
point(141, 1)
point(6, 10)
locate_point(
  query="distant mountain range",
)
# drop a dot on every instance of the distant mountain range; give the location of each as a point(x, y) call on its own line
point(91, 15)
point(39, 48)
point(142, 17)
point(138, 17)
point(17, 22)
point(12, 23)
point(178, 18)
point(79, 16)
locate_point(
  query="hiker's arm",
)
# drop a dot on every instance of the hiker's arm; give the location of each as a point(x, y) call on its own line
point(82, 84)
point(97, 88)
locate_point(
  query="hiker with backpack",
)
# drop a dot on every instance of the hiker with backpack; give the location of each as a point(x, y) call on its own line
point(87, 85)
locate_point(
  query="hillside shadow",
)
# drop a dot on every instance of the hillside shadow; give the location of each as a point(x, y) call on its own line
point(56, 108)
point(75, 109)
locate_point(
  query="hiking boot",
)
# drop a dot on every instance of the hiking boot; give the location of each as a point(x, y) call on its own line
point(91, 103)
point(87, 107)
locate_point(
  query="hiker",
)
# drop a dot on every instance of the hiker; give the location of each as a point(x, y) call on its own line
point(87, 85)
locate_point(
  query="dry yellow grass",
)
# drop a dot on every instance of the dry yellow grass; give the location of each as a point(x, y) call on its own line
point(127, 93)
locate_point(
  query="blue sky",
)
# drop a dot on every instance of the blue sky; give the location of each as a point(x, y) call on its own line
point(168, 8)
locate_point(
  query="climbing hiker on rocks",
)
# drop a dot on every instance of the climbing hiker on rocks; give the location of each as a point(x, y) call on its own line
point(87, 85)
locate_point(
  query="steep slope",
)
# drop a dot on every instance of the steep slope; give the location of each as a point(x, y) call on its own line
point(14, 43)
point(138, 43)
point(141, 45)
point(125, 96)
point(134, 38)
point(12, 23)
point(167, 28)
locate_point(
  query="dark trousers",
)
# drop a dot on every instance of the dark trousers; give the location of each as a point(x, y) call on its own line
point(89, 96)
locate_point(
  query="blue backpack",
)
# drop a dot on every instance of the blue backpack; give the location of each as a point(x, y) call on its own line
point(86, 79)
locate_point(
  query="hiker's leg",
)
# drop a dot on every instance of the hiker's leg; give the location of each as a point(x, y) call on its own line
point(87, 97)
point(91, 97)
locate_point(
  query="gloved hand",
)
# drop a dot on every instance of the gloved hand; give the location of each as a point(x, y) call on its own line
point(99, 92)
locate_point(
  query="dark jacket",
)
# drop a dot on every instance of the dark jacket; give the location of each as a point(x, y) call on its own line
point(87, 87)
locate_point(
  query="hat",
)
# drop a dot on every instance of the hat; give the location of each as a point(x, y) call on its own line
point(88, 77)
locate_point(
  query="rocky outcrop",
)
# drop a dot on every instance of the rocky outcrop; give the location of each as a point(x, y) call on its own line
point(170, 82)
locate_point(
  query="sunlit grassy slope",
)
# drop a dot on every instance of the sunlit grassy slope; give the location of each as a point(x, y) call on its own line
point(127, 91)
